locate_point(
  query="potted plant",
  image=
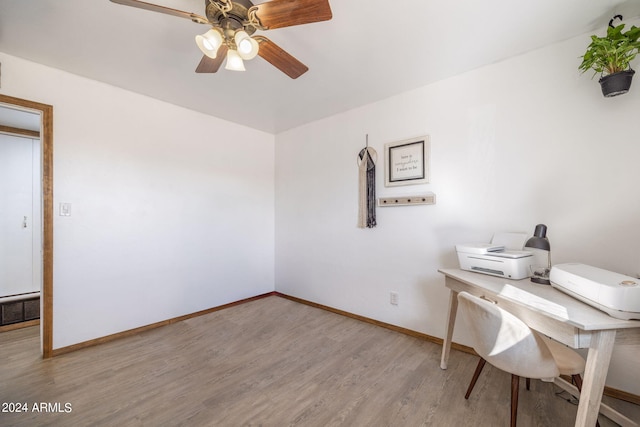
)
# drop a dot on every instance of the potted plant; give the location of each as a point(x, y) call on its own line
point(610, 56)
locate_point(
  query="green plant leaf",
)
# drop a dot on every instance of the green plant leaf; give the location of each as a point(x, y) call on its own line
point(611, 53)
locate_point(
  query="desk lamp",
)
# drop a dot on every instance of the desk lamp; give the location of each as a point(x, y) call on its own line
point(539, 244)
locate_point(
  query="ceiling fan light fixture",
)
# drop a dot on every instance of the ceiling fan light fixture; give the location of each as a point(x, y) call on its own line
point(234, 61)
point(231, 24)
point(209, 42)
point(247, 47)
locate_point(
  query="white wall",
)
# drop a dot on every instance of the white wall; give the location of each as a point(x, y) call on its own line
point(514, 144)
point(172, 210)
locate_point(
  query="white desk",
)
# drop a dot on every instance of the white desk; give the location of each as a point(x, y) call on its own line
point(558, 316)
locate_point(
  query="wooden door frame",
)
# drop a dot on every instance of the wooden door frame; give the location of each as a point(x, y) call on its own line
point(46, 139)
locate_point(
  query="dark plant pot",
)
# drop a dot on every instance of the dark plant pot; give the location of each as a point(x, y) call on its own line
point(617, 83)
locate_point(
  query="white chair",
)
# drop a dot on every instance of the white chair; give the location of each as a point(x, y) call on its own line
point(507, 343)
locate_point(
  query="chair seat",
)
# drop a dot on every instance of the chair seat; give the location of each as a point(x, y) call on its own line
point(569, 362)
point(507, 343)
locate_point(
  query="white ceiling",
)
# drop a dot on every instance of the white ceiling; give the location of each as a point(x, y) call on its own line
point(370, 50)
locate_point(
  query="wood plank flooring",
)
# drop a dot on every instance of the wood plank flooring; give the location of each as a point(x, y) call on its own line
point(269, 362)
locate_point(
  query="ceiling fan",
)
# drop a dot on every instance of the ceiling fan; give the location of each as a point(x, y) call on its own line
point(233, 22)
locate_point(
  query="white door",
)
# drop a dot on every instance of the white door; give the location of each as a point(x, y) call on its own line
point(20, 217)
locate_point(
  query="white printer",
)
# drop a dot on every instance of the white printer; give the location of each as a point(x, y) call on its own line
point(494, 260)
point(502, 257)
point(615, 294)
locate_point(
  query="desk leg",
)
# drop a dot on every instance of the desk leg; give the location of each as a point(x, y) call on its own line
point(451, 321)
point(595, 375)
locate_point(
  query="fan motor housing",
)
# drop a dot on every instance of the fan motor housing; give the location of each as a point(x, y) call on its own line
point(232, 20)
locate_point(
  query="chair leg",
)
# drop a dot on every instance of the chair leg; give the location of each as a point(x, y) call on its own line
point(515, 384)
point(577, 379)
point(528, 382)
point(476, 374)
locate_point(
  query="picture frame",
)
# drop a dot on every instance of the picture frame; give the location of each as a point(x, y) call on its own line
point(407, 162)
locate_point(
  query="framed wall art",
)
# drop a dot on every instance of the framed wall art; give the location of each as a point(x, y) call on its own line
point(407, 162)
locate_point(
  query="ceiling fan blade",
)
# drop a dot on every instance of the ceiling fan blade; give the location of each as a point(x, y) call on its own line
point(167, 10)
point(280, 58)
point(211, 65)
point(286, 13)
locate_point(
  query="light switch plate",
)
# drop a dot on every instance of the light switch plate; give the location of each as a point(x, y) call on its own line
point(65, 209)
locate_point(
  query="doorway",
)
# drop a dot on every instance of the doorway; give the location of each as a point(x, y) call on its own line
point(44, 236)
point(20, 219)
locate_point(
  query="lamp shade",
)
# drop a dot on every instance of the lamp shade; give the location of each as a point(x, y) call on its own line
point(247, 47)
point(539, 245)
point(234, 61)
point(539, 239)
point(209, 42)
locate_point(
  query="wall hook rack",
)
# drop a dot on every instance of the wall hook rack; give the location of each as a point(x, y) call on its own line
point(417, 199)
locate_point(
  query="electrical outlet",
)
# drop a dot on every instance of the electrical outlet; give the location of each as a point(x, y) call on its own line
point(393, 298)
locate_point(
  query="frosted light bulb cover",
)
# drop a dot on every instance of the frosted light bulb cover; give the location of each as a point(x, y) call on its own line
point(247, 47)
point(234, 61)
point(209, 42)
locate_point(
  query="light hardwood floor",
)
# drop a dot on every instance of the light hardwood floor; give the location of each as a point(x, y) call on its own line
point(269, 362)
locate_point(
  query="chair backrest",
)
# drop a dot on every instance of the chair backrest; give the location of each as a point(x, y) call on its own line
point(505, 341)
